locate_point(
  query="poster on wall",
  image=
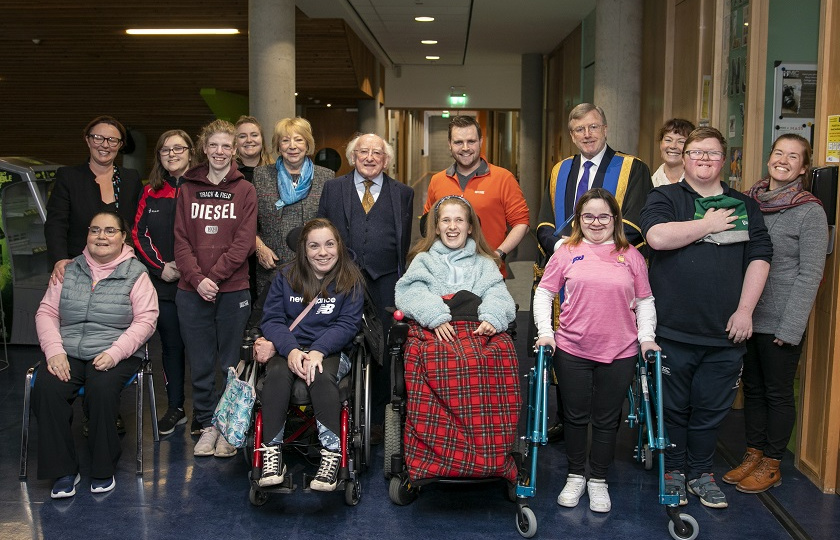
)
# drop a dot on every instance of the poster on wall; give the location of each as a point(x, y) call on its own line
point(832, 149)
point(795, 94)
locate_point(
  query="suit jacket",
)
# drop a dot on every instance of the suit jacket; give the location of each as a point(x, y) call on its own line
point(632, 200)
point(340, 193)
point(75, 199)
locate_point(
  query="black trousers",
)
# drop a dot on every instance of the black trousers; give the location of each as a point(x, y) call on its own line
point(593, 393)
point(172, 352)
point(768, 376)
point(52, 403)
point(277, 391)
point(382, 292)
point(699, 384)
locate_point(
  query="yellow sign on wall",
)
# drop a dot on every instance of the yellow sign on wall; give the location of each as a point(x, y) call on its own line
point(832, 148)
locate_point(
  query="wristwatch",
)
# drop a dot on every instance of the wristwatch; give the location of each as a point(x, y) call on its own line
point(502, 255)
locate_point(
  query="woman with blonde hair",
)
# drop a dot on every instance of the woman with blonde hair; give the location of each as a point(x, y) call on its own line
point(288, 194)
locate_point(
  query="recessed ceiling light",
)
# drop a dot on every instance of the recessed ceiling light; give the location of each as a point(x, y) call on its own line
point(424, 19)
point(429, 42)
point(296, 94)
point(179, 31)
point(433, 58)
point(329, 104)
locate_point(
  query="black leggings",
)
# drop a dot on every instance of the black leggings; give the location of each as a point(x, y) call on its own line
point(593, 393)
point(277, 392)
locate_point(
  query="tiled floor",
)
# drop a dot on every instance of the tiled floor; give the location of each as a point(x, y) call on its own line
point(179, 496)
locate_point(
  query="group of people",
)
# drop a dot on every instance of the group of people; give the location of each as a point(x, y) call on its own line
point(734, 276)
point(209, 208)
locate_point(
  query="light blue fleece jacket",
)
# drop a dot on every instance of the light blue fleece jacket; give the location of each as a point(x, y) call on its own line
point(442, 271)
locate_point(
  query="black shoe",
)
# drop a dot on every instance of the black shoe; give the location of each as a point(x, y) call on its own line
point(555, 432)
point(173, 417)
point(273, 470)
point(120, 425)
point(195, 427)
point(377, 434)
point(326, 479)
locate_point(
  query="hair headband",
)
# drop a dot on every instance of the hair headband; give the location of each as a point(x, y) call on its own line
point(449, 198)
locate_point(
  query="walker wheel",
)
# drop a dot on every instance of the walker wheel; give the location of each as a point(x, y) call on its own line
point(693, 529)
point(526, 522)
point(647, 457)
point(257, 498)
point(352, 492)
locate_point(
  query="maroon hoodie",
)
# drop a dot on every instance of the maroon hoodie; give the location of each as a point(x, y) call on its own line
point(215, 229)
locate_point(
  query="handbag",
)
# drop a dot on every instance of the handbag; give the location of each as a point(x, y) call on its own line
point(232, 416)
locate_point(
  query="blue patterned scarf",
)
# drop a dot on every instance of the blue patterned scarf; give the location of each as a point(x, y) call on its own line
point(289, 193)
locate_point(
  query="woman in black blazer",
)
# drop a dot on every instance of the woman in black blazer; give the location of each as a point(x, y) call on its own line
point(82, 191)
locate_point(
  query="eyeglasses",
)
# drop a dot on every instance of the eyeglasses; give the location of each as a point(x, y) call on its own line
point(365, 152)
point(99, 139)
point(603, 219)
point(175, 150)
point(592, 128)
point(110, 232)
point(711, 155)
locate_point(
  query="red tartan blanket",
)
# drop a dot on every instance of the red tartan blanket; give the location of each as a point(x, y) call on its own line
point(463, 404)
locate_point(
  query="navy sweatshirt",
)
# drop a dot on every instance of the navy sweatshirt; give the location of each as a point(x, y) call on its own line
point(328, 328)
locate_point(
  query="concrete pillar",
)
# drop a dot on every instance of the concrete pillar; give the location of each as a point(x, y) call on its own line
point(618, 69)
point(371, 113)
point(271, 61)
point(531, 132)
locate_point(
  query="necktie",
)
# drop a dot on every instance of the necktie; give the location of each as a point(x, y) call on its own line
point(367, 198)
point(583, 186)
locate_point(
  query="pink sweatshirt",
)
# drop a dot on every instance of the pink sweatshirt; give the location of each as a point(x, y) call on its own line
point(144, 303)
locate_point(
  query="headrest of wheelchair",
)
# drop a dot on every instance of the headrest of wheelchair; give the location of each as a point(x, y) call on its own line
point(293, 237)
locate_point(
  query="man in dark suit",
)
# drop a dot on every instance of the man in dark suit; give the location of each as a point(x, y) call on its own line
point(597, 165)
point(373, 214)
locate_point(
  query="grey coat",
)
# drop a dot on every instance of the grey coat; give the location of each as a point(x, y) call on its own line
point(274, 225)
point(800, 239)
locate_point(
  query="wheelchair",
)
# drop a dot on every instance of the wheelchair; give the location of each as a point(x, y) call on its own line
point(646, 414)
point(401, 489)
point(300, 432)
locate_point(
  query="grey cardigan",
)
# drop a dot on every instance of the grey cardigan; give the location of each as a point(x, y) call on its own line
point(800, 239)
point(273, 225)
point(441, 271)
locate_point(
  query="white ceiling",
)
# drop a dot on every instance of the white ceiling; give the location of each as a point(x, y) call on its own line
point(469, 32)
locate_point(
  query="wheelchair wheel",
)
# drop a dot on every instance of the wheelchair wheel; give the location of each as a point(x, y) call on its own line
point(526, 522)
point(257, 498)
point(393, 439)
point(401, 492)
point(362, 405)
point(352, 492)
point(690, 524)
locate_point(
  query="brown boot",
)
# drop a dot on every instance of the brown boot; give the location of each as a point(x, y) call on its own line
point(765, 476)
point(750, 462)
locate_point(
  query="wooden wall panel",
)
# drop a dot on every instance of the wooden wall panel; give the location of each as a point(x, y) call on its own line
point(85, 65)
point(333, 128)
point(687, 41)
point(655, 68)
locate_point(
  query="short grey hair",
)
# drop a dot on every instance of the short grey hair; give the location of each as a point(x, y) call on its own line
point(582, 110)
point(351, 147)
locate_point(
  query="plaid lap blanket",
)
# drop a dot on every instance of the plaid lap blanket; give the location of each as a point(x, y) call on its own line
point(463, 404)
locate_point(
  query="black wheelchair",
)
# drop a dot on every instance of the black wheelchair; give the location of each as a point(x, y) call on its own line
point(300, 433)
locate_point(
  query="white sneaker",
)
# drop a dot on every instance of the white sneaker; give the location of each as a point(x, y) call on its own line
point(599, 495)
point(572, 492)
point(206, 445)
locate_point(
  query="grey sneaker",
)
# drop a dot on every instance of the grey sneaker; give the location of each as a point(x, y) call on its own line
point(224, 448)
point(326, 479)
point(273, 469)
point(675, 483)
point(206, 445)
point(708, 491)
point(599, 495)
